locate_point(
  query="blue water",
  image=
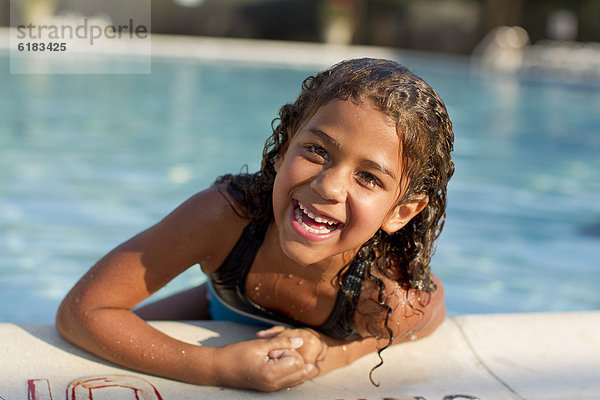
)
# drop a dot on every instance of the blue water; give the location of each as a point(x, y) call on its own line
point(88, 161)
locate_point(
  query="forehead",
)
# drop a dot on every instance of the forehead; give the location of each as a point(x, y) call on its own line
point(356, 117)
point(358, 128)
point(343, 104)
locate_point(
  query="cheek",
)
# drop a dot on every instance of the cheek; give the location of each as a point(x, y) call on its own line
point(286, 176)
point(296, 170)
point(277, 192)
point(370, 213)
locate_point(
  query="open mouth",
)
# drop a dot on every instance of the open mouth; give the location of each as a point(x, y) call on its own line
point(312, 222)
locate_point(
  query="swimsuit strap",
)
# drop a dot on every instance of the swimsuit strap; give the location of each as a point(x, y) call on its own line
point(229, 281)
point(340, 323)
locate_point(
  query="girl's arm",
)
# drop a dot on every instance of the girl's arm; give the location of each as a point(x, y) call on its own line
point(328, 354)
point(96, 314)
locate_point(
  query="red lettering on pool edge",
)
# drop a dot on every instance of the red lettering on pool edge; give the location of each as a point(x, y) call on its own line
point(38, 389)
point(83, 389)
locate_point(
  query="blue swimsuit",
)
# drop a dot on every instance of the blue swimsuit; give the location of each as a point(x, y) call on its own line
point(228, 300)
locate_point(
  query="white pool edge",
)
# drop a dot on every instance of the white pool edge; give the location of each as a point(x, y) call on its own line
point(540, 356)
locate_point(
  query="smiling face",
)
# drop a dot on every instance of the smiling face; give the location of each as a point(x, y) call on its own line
point(338, 183)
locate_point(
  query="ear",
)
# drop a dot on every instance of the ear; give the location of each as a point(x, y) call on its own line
point(403, 213)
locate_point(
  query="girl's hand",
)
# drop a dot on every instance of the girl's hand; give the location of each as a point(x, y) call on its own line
point(323, 351)
point(313, 351)
point(268, 364)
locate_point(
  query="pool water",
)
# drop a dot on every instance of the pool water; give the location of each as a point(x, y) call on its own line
point(88, 161)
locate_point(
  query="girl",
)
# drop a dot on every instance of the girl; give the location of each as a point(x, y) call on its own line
point(330, 242)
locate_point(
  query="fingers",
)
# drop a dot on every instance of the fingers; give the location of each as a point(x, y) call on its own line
point(276, 354)
point(288, 370)
point(296, 377)
point(286, 364)
point(283, 343)
point(264, 364)
point(271, 332)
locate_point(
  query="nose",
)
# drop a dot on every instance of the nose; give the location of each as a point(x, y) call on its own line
point(331, 185)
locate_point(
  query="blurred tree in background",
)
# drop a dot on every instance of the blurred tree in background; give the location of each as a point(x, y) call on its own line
point(437, 25)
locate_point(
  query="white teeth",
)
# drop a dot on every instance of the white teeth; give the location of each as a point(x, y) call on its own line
point(321, 230)
point(320, 220)
point(323, 220)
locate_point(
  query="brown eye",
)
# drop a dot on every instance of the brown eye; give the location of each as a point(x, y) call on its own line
point(317, 151)
point(368, 180)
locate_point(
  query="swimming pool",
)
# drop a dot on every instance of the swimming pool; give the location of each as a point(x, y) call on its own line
point(88, 161)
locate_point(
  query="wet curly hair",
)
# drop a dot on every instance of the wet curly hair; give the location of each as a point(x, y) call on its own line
point(425, 131)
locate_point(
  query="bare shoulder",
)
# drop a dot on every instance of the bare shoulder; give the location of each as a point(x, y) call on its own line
point(202, 230)
point(209, 222)
point(414, 314)
point(209, 206)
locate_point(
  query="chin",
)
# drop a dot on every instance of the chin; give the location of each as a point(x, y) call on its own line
point(299, 254)
point(302, 254)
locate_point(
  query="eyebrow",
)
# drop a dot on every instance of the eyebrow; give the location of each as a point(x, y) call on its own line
point(369, 163)
point(325, 137)
point(379, 167)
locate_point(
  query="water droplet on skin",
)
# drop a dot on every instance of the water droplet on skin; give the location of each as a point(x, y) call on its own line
point(301, 282)
point(290, 276)
point(344, 348)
